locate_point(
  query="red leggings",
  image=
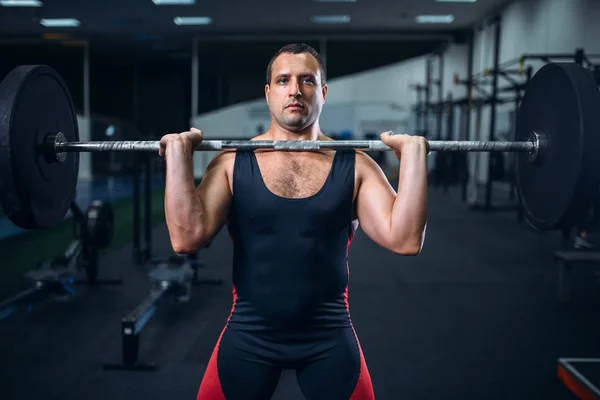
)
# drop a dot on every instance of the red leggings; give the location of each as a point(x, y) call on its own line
point(247, 366)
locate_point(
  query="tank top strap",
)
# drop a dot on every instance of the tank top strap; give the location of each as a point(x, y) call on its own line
point(342, 172)
point(245, 170)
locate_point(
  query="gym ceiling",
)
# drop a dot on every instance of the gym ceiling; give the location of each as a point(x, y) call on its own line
point(363, 34)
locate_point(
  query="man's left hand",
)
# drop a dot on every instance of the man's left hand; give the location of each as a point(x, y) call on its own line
point(403, 142)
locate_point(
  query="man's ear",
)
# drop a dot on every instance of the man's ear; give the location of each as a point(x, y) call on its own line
point(267, 88)
point(325, 89)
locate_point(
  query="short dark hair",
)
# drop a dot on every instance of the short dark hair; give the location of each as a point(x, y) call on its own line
point(297, 48)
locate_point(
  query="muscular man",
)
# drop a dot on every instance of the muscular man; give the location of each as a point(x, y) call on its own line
point(291, 217)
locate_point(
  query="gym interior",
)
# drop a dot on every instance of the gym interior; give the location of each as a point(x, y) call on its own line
point(101, 307)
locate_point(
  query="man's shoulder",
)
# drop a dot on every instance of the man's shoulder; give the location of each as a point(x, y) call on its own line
point(365, 165)
point(363, 159)
point(263, 136)
point(227, 156)
point(223, 159)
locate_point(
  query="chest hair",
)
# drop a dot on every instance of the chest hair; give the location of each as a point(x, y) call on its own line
point(294, 175)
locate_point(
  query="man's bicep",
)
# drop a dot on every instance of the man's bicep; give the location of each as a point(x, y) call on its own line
point(215, 195)
point(374, 200)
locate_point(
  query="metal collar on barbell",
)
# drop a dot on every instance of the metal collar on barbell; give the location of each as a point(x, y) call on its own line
point(540, 142)
point(52, 142)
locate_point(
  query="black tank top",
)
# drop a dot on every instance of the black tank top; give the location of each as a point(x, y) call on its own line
point(290, 269)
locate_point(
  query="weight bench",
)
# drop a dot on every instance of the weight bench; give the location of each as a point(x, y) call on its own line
point(566, 260)
point(56, 277)
point(170, 277)
point(581, 376)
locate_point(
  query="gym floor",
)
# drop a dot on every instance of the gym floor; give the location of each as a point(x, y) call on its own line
point(474, 316)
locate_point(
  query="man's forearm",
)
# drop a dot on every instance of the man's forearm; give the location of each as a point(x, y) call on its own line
point(409, 212)
point(183, 207)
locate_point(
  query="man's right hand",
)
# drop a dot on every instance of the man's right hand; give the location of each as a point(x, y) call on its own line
point(184, 142)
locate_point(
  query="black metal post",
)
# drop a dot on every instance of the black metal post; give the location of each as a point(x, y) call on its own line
point(148, 210)
point(137, 259)
point(579, 56)
point(130, 343)
point(469, 108)
point(450, 165)
point(131, 328)
point(440, 108)
point(419, 111)
point(427, 98)
point(493, 100)
point(449, 107)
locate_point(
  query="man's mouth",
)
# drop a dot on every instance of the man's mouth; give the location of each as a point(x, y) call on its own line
point(295, 106)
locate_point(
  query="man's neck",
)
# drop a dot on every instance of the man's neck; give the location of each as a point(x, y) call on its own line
point(310, 133)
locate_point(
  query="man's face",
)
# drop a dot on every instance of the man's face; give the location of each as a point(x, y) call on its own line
point(295, 95)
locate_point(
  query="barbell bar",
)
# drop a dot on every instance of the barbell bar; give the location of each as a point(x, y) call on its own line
point(62, 146)
point(557, 141)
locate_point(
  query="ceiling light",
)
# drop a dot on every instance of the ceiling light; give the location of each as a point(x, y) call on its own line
point(330, 19)
point(173, 2)
point(435, 19)
point(192, 20)
point(20, 3)
point(60, 22)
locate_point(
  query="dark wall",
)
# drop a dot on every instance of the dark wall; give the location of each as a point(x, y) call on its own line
point(210, 93)
point(112, 90)
point(164, 104)
point(68, 61)
point(245, 87)
point(154, 95)
point(153, 92)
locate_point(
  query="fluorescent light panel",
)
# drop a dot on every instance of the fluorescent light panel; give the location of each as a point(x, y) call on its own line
point(60, 22)
point(435, 19)
point(20, 3)
point(330, 19)
point(173, 2)
point(192, 20)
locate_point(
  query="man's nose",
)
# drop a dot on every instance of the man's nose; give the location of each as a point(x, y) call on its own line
point(295, 90)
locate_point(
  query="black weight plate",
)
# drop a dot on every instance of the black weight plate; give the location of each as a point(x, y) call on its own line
point(99, 219)
point(34, 192)
point(557, 189)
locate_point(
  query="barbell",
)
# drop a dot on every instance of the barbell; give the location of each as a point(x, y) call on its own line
point(557, 142)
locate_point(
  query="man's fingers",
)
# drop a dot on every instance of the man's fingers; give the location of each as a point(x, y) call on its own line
point(196, 135)
point(196, 132)
point(385, 136)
